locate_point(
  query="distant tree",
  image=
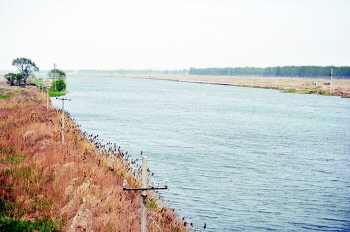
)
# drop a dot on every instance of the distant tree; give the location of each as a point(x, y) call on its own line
point(14, 78)
point(25, 66)
point(59, 85)
point(57, 73)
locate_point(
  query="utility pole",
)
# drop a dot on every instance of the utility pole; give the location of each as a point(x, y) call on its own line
point(54, 75)
point(63, 99)
point(42, 94)
point(331, 85)
point(144, 188)
point(144, 195)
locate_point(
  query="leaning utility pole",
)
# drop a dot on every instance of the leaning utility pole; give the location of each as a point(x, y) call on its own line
point(63, 99)
point(144, 190)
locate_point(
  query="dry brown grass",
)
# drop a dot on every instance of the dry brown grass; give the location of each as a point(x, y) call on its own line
point(78, 184)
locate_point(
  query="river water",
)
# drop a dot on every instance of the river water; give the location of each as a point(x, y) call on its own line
point(238, 159)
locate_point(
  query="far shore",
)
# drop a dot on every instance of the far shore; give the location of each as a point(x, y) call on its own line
point(305, 85)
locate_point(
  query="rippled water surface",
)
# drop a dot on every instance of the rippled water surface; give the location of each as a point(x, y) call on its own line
point(238, 159)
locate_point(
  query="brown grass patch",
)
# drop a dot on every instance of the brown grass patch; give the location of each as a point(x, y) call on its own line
point(78, 184)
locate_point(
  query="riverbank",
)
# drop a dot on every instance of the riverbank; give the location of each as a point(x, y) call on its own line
point(5, 86)
point(72, 187)
point(321, 86)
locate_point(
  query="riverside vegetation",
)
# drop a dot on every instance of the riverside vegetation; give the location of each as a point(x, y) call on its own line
point(47, 186)
point(27, 67)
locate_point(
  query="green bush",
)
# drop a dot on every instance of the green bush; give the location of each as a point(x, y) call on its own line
point(59, 85)
point(14, 225)
point(54, 93)
point(38, 82)
point(14, 78)
point(4, 96)
point(6, 208)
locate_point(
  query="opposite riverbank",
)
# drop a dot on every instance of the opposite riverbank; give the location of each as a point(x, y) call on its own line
point(302, 85)
point(77, 186)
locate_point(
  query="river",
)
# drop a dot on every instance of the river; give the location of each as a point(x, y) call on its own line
point(238, 159)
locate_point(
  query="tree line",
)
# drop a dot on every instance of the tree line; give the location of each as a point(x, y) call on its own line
point(278, 71)
point(283, 71)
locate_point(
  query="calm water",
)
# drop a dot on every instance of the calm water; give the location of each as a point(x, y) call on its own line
point(238, 159)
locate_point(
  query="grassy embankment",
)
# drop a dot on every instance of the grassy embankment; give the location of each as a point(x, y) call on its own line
point(5, 94)
point(292, 85)
point(315, 90)
point(301, 85)
point(47, 186)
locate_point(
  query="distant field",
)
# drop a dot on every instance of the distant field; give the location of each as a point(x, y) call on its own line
point(283, 83)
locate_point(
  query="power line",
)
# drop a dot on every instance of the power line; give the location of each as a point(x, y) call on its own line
point(63, 99)
point(144, 188)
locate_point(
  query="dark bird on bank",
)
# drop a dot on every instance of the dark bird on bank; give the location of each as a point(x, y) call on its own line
point(205, 225)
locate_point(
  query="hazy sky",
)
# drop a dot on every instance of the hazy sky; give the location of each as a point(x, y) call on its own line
point(172, 34)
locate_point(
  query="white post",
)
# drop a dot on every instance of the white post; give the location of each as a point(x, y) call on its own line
point(144, 195)
point(62, 121)
point(54, 80)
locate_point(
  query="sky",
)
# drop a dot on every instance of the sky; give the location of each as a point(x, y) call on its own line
point(174, 34)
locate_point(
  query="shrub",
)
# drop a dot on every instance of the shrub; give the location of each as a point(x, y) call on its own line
point(54, 93)
point(59, 85)
point(26, 225)
point(14, 78)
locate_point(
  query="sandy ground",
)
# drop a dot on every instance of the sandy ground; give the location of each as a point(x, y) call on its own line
point(259, 82)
